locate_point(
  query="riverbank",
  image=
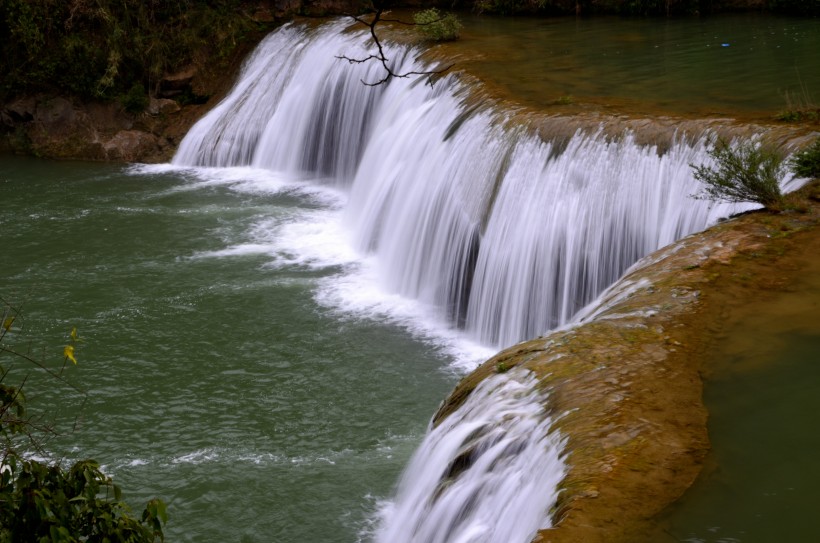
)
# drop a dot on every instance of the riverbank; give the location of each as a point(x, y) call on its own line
point(626, 383)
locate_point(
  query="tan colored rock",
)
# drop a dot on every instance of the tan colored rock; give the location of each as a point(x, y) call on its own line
point(55, 111)
point(21, 110)
point(175, 84)
point(129, 145)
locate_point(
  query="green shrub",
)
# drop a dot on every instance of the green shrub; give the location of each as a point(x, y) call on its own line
point(43, 502)
point(798, 115)
point(750, 172)
point(437, 26)
point(806, 163)
point(49, 502)
point(135, 100)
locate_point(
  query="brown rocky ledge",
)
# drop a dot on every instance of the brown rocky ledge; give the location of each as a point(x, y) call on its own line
point(625, 385)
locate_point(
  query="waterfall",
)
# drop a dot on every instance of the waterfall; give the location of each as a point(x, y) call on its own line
point(506, 234)
point(467, 210)
point(488, 473)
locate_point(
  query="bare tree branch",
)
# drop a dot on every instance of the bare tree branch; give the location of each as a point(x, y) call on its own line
point(380, 55)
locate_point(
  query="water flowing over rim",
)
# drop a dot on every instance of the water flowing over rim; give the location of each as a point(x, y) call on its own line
point(500, 234)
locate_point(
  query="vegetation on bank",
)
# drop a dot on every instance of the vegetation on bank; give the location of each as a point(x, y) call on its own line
point(437, 26)
point(46, 501)
point(749, 172)
point(806, 163)
point(111, 49)
point(753, 172)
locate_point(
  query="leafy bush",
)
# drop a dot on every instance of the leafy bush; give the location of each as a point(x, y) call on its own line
point(750, 172)
point(45, 502)
point(798, 115)
point(101, 49)
point(437, 26)
point(135, 100)
point(40, 502)
point(806, 163)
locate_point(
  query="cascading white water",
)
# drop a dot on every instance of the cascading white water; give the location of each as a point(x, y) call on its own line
point(295, 108)
point(487, 473)
point(506, 234)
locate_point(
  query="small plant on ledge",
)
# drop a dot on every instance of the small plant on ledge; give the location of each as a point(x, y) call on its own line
point(806, 163)
point(749, 172)
point(437, 26)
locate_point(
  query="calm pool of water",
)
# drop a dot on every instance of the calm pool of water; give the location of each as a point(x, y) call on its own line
point(763, 395)
point(723, 65)
point(215, 379)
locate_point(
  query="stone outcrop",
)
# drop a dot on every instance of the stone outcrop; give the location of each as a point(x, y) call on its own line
point(61, 128)
point(130, 145)
point(625, 385)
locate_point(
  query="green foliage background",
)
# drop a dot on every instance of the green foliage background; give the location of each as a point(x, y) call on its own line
point(102, 48)
point(437, 26)
point(796, 7)
point(746, 172)
point(806, 163)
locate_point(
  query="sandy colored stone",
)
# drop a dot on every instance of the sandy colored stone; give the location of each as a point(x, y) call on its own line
point(129, 145)
point(162, 106)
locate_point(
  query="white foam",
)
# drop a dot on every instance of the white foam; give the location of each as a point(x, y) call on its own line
point(359, 292)
point(320, 239)
point(488, 473)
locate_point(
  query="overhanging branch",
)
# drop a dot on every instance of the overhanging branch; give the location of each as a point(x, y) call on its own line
point(380, 56)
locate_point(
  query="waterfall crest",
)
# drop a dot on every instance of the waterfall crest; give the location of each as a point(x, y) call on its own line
point(506, 234)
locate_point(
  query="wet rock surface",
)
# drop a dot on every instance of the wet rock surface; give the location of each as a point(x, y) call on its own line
point(625, 384)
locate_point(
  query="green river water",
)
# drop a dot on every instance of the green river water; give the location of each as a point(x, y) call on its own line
point(746, 64)
point(762, 390)
point(217, 384)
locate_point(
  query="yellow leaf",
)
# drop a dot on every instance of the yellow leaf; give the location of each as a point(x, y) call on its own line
point(74, 334)
point(68, 352)
point(8, 322)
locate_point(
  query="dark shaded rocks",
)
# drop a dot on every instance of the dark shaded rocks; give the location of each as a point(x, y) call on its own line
point(176, 84)
point(162, 106)
point(57, 127)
